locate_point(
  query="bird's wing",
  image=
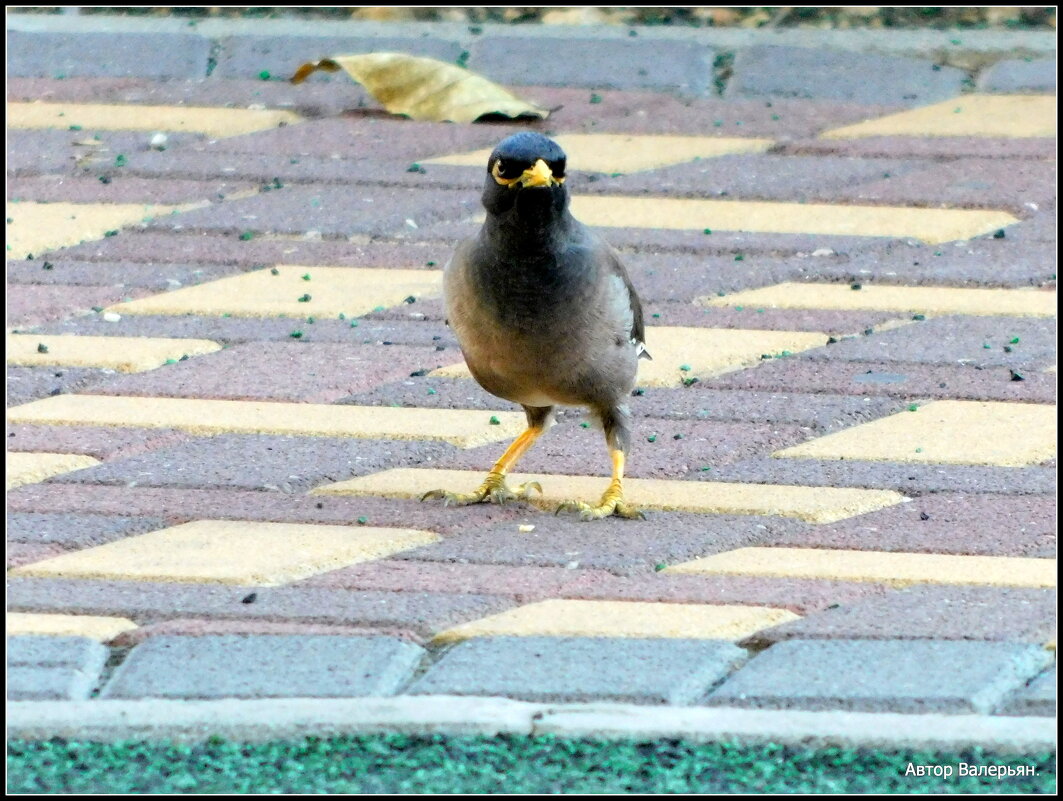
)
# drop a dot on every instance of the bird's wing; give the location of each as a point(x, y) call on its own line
point(638, 325)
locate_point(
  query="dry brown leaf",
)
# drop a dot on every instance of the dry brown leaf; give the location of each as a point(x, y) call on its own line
point(424, 88)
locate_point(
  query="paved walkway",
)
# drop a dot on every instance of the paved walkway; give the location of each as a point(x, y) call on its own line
point(229, 380)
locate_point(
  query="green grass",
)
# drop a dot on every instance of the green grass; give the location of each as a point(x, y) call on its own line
point(440, 764)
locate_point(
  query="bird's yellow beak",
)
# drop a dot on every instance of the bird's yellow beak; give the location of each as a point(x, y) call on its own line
point(538, 175)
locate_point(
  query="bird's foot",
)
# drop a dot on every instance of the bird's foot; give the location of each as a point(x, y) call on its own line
point(612, 503)
point(493, 490)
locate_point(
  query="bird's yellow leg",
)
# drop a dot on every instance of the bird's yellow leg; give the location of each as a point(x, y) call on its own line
point(494, 489)
point(612, 502)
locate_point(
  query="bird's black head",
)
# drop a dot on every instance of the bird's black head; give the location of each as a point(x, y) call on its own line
point(526, 180)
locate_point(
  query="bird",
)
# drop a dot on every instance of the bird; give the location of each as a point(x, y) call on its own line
point(545, 315)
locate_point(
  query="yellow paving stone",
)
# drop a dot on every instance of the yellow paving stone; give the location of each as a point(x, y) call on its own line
point(40, 227)
point(1008, 116)
point(29, 468)
point(706, 351)
point(895, 569)
point(812, 504)
point(624, 153)
point(564, 618)
point(461, 427)
point(928, 225)
point(216, 122)
point(91, 626)
point(945, 432)
point(231, 552)
point(873, 297)
point(124, 354)
point(331, 291)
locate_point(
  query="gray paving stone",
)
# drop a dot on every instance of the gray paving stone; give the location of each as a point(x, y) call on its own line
point(77, 652)
point(281, 56)
point(38, 152)
point(774, 71)
point(647, 671)
point(88, 273)
point(233, 666)
point(261, 462)
point(1036, 698)
point(975, 341)
point(883, 675)
point(44, 683)
point(53, 668)
point(632, 63)
point(76, 530)
point(1019, 75)
point(52, 54)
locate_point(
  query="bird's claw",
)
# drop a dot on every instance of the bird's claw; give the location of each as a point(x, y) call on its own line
point(493, 490)
point(611, 504)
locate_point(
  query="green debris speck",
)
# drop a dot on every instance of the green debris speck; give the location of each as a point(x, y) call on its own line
point(640, 391)
point(651, 438)
point(1000, 234)
point(171, 361)
point(110, 233)
point(739, 308)
point(343, 316)
point(685, 368)
point(987, 346)
point(119, 160)
point(264, 75)
point(918, 316)
point(659, 566)
point(856, 286)
point(704, 468)
point(42, 348)
point(584, 425)
point(740, 257)
point(363, 520)
point(707, 231)
point(913, 406)
point(1014, 340)
point(918, 450)
point(305, 298)
point(677, 436)
point(306, 276)
point(718, 123)
point(310, 320)
point(274, 271)
point(295, 334)
point(689, 382)
point(415, 167)
point(656, 315)
point(379, 309)
point(431, 391)
point(775, 116)
point(74, 128)
point(354, 323)
point(430, 264)
point(246, 235)
point(595, 98)
point(495, 421)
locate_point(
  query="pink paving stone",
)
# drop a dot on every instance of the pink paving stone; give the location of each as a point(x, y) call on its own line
point(212, 248)
point(30, 305)
point(987, 525)
point(964, 183)
point(526, 584)
point(24, 553)
point(36, 152)
point(154, 276)
point(203, 627)
point(102, 443)
point(182, 505)
point(935, 147)
point(149, 602)
point(798, 595)
point(280, 371)
point(905, 380)
point(568, 448)
point(121, 189)
point(837, 323)
point(928, 612)
point(310, 98)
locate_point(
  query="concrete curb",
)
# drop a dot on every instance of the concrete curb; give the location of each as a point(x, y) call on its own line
point(925, 43)
point(261, 720)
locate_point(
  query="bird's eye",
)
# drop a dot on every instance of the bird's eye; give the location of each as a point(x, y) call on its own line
point(557, 168)
point(507, 169)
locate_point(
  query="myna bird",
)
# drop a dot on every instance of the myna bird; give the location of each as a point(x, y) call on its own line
point(545, 315)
